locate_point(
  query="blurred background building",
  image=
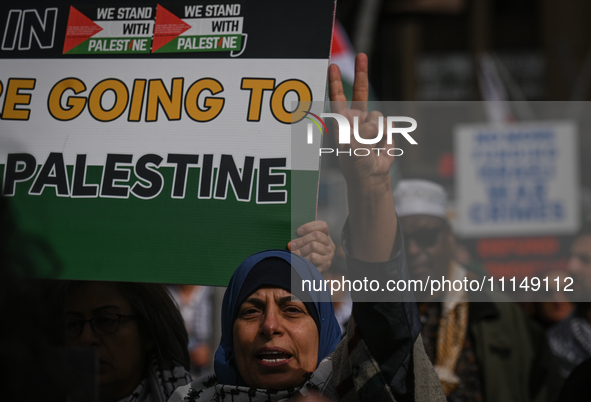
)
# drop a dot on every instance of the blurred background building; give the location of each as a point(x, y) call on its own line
point(517, 61)
point(435, 50)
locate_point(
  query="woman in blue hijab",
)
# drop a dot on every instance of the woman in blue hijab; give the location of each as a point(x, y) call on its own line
point(268, 276)
point(278, 342)
point(273, 338)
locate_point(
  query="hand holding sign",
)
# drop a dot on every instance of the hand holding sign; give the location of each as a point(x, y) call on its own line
point(315, 244)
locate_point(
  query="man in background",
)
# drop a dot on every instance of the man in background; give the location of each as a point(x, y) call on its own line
point(482, 351)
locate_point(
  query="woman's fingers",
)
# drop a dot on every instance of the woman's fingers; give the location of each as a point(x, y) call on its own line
point(360, 86)
point(337, 94)
point(322, 262)
point(318, 226)
point(361, 83)
point(374, 117)
point(315, 244)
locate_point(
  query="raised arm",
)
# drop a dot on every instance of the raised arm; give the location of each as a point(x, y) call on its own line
point(372, 215)
point(385, 327)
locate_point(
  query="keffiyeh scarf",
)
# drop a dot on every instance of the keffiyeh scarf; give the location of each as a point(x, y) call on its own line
point(350, 374)
point(570, 341)
point(159, 384)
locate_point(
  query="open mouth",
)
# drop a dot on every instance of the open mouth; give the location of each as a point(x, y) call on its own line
point(273, 357)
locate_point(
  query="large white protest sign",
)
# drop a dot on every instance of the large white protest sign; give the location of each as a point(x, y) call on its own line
point(517, 179)
point(153, 141)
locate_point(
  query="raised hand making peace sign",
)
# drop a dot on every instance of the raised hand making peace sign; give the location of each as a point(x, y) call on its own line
point(363, 170)
point(372, 215)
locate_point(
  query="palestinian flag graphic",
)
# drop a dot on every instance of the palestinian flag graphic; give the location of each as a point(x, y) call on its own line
point(204, 28)
point(155, 29)
point(109, 30)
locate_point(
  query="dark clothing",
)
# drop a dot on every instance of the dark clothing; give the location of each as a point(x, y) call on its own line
point(576, 386)
point(506, 357)
point(570, 341)
point(388, 329)
point(515, 360)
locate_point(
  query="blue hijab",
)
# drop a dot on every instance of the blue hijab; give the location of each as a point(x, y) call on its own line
point(329, 332)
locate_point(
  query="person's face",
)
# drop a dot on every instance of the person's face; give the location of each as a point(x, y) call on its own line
point(579, 265)
point(122, 355)
point(275, 340)
point(429, 246)
point(553, 312)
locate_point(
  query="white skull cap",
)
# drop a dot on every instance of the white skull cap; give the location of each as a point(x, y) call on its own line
point(420, 197)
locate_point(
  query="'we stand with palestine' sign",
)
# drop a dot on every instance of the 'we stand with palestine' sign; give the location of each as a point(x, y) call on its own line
point(151, 142)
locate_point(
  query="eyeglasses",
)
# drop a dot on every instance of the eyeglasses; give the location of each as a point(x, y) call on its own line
point(103, 324)
point(424, 238)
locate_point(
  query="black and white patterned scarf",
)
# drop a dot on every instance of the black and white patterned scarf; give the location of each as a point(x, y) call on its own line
point(159, 384)
point(350, 374)
point(570, 341)
point(208, 389)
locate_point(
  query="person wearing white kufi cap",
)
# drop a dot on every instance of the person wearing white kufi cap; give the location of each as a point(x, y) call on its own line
point(482, 351)
point(420, 197)
point(421, 207)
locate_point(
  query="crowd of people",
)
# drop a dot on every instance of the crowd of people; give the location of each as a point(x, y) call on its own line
point(152, 343)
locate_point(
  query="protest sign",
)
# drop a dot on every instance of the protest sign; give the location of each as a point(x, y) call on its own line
point(518, 179)
point(518, 195)
point(151, 142)
point(523, 256)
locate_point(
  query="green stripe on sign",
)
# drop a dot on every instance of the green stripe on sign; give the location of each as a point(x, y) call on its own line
point(209, 43)
point(163, 239)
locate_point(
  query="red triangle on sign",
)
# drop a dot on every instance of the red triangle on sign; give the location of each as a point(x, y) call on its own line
point(167, 27)
point(80, 28)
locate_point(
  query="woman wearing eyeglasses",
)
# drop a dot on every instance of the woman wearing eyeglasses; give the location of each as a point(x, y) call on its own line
point(137, 332)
